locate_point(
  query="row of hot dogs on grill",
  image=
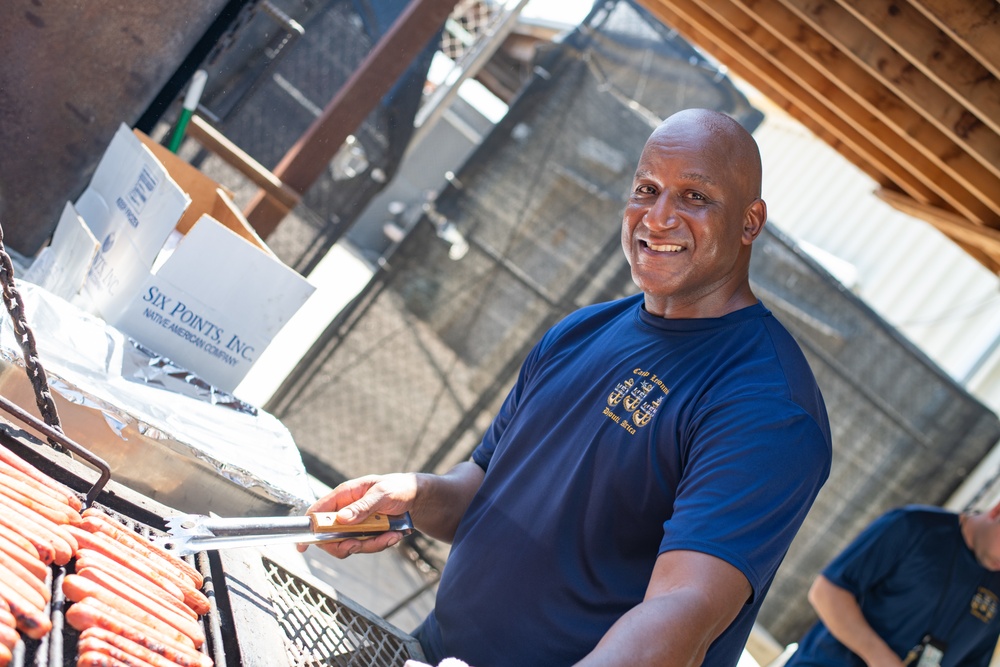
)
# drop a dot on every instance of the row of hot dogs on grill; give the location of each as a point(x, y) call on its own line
point(133, 604)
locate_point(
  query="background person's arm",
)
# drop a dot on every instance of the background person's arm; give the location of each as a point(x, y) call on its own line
point(691, 599)
point(841, 614)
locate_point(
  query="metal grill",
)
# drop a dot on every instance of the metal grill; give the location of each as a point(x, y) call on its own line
point(59, 647)
point(322, 628)
point(297, 623)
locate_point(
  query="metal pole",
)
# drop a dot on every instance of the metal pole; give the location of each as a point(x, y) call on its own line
point(441, 99)
point(306, 160)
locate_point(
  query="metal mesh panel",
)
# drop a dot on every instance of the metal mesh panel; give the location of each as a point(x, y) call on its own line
point(325, 630)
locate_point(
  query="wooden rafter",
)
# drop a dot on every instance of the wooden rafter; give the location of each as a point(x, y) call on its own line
point(973, 24)
point(908, 91)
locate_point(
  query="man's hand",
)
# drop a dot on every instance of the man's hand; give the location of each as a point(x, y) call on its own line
point(436, 503)
point(356, 499)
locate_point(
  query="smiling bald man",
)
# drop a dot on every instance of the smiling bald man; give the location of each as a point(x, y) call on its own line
point(635, 494)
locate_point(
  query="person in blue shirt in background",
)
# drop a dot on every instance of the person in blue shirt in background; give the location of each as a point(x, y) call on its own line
point(632, 500)
point(919, 586)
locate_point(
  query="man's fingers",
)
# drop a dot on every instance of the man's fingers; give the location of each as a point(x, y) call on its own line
point(349, 547)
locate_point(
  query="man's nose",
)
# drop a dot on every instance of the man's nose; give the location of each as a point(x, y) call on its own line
point(662, 214)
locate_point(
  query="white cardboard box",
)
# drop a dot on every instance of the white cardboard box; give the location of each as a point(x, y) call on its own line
point(62, 267)
point(212, 302)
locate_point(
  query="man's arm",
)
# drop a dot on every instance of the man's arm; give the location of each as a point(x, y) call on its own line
point(436, 504)
point(841, 614)
point(691, 599)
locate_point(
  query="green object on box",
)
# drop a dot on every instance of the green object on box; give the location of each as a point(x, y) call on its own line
point(182, 123)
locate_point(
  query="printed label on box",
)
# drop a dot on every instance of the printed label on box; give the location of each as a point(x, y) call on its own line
point(131, 206)
point(172, 314)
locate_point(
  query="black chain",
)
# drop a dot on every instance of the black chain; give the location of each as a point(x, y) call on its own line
point(26, 339)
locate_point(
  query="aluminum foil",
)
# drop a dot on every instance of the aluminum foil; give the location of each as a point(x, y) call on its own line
point(164, 432)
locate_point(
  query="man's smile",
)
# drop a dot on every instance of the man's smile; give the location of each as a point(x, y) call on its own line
point(667, 247)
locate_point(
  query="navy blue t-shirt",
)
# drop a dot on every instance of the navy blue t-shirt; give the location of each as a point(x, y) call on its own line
point(625, 436)
point(913, 574)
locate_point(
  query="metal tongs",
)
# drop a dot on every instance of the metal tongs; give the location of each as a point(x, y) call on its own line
point(191, 533)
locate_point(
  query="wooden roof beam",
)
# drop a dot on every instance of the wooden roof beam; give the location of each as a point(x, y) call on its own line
point(973, 24)
point(932, 52)
point(895, 73)
point(784, 19)
point(741, 63)
point(983, 243)
point(907, 166)
point(738, 68)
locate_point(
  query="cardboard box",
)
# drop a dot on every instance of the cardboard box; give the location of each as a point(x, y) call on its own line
point(63, 265)
point(179, 269)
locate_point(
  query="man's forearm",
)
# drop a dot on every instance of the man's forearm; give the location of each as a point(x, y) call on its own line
point(691, 599)
point(656, 632)
point(841, 614)
point(441, 500)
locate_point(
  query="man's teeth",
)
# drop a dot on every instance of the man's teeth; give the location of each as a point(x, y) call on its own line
point(664, 248)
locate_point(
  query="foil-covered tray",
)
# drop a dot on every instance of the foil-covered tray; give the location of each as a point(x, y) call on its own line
point(164, 432)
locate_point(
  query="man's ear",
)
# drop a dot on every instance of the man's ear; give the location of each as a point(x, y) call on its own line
point(753, 220)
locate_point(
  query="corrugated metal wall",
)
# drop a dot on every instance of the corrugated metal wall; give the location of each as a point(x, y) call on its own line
point(940, 298)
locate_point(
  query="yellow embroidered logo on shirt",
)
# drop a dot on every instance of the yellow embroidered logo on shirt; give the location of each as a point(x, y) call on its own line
point(636, 398)
point(984, 604)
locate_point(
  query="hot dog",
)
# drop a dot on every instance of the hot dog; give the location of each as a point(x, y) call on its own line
point(151, 570)
point(85, 645)
point(21, 527)
point(6, 618)
point(37, 485)
point(88, 559)
point(105, 546)
point(23, 587)
point(57, 489)
point(63, 545)
point(30, 620)
point(77, 588)
point(179, 620)
point(44, 525)
point(8, 633)
point(98, 659)
point(94, 521)
point(130, 647)
point(23, 574)
point(52, 509)
point(95, 614)
point(24, 553)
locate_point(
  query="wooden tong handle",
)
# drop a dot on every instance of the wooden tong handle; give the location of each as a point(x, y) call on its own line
point(326, 522)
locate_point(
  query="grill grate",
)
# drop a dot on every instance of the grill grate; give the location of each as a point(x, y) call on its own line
point(261, 615)
point(322, 629)
point(59, 647)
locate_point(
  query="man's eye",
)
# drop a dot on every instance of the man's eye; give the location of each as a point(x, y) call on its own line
point(696, 195)
point(644, 189)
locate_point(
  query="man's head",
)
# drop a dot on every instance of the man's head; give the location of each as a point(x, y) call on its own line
point(693, 211)
point(982, 535)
